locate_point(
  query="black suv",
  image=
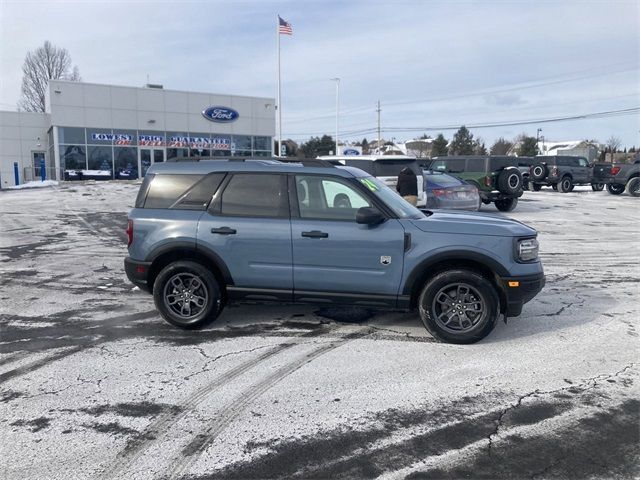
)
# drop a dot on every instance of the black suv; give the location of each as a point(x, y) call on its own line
point(562, 173)
point(498, 178)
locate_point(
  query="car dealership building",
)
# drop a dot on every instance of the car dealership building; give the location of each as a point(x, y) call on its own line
point(107, 131)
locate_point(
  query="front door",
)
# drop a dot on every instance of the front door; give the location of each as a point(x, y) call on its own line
point(147, 157)
point(39, 166)
point(335, 259)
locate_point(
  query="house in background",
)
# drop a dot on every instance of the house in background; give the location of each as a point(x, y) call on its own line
point(577, 148)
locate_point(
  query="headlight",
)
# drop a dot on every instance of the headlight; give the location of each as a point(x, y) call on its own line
point(527, 249)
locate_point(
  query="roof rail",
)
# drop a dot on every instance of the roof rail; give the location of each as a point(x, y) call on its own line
point(226, 159)
point(307, 162)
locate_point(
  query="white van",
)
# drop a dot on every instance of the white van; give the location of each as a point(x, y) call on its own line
point(384, 167)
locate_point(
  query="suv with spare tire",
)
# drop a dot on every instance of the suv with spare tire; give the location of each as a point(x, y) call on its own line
point(497, 177)
point(206, 233)
point(562, 172)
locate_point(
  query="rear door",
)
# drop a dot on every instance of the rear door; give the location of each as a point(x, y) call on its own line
point(247, 225)
point(583, 171)
point(335, 259)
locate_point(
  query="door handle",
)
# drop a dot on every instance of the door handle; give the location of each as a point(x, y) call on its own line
point(224, 230)
point(315, 234)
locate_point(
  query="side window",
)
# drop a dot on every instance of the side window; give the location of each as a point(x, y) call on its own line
point(475, 165)
point(199, 196)
point(583, 162)
point(563, 162)
point(256, 195)
point(328, 198)
point(165, 189)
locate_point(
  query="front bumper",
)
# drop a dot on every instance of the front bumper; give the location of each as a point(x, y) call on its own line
point(519, 290)
point(137, 272)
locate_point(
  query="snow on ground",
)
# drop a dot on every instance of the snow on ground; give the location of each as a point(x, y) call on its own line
point(33, 184)
point(94, 384)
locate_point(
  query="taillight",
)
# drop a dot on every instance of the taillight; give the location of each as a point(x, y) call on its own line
point(439, 192)
point(129, 232)
point(615, 170)
point(488, 181)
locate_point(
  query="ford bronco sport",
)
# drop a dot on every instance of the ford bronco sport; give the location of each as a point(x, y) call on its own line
point(206, 233)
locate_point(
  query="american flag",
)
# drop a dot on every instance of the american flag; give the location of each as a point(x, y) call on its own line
point(284, 27)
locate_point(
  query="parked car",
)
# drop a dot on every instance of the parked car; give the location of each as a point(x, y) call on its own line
point(618, 176)
point(384, 167)
point(562, 172)
point(203, 234)
point(449, 192)
point(495, 177)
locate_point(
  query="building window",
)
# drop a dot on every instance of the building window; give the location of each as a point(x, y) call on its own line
point(262, 144)
point(73, 157)
point(243, 145)
point(177, 152)
point(125, 162)
point(71, 136)
point(100, 158)
point(99, 136)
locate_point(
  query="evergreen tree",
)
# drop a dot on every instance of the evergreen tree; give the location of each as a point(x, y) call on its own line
point(462, 143)
point(365, 146)
point(439, 146)
point(528, 147)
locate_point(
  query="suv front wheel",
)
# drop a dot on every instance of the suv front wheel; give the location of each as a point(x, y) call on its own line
point(566, 185)
point(459, 306)
point(187, 294)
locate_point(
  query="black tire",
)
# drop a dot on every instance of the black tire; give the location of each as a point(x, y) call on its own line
point(459, 306)
point(566, 184)
point(506, 204)
point(597, 187)
point(526, 184)
point(555, 186)
point(539, 172)
point(536, 187)
point(633, 186)
point(171, 283)
point(615, 188)
point(510, 181)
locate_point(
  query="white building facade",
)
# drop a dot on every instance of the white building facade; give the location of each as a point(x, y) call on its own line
point(107, 131)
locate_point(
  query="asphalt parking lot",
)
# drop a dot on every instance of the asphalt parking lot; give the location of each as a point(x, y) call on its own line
point(93, 384)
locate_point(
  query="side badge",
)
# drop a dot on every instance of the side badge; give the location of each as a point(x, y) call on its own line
point(385, 260)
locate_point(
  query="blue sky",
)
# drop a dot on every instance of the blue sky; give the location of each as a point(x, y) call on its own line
point(430, 63)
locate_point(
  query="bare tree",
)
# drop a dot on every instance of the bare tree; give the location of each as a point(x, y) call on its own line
point(501, 147)
point(41, 65)
point(613, 143)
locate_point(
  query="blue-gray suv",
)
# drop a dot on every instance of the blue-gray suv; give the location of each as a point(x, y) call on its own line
point(205, 233)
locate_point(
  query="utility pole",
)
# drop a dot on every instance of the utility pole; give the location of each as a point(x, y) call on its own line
point(538, 140)
point(378, 110)
point(337, 80)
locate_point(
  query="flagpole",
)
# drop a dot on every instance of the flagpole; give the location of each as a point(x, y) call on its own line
point(279, 91)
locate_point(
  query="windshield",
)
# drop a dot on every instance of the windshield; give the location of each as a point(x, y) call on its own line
point(391, 199)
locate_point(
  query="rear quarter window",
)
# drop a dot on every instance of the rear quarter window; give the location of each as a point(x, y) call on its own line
point(182, 192)
point(453, 165)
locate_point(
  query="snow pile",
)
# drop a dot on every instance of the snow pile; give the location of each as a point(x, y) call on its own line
point(34, 184)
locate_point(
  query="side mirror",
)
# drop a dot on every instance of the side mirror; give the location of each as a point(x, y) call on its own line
point(369, 216)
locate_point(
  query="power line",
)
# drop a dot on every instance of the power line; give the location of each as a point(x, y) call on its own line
point(508, 123)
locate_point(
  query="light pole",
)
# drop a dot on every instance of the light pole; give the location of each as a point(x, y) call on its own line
point(337, 80)
point(538, 140)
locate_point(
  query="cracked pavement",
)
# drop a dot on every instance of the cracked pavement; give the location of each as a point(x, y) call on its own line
point(93, 384)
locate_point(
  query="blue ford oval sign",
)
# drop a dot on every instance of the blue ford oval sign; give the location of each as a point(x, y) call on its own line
point(220, 114)
point(350, 151)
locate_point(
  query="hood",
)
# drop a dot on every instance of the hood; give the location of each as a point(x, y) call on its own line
point(471, 223)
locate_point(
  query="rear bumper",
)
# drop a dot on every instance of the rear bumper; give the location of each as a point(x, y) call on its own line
point(519, 290)
point(137, 272)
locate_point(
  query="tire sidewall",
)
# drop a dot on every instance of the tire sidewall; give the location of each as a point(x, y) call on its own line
point(208, 279)
point(510, 180)
point(615, 189)
point(484, 287)
point(539, 172)
point(507, 204)
point(633, 186)
point(565, 185)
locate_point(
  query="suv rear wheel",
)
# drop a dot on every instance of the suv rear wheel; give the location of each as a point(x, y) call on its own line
point(536, 187)
point(187, 294)
point(615, 188)
point(510, 180)
point(506, 204)
point(566, 185)
point(459, 306)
